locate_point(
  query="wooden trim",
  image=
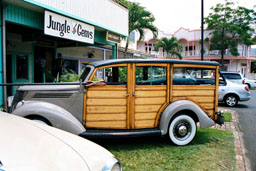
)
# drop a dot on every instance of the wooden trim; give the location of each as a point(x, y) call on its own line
point(84, 110)
point(171, 84)
point(194, 87)
point(107, 66)
point(159, 114)
point(150, 88)
point(132, 114)
point(195, 66)
point(129, 98)
point(151, 64)
point(216, 91)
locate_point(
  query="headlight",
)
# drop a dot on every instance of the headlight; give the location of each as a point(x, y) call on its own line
point(112, 165)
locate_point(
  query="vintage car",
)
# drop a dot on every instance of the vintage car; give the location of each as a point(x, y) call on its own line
point(129, 97)
point(29, 146)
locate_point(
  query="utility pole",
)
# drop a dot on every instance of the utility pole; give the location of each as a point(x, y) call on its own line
point(202, 30)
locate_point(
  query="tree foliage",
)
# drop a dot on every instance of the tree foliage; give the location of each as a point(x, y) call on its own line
point(172, 47)
point(229, 27)
point(139, 20)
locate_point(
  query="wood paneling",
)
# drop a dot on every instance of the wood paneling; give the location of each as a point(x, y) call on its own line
point(106, 102)
point(144, 124)
point(107, 124)
point(145, 116)
point(148, 101)
point(106, 117)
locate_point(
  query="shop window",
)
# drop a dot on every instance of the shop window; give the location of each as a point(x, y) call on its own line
point(21, 67)
point(112, 75)
point(71, 66)
point(193, 76)
point(150, 75)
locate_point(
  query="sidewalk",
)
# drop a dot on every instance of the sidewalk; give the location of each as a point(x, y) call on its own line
point(242, 162)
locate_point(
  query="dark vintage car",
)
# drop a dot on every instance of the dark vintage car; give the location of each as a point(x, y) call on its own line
point(129, 98)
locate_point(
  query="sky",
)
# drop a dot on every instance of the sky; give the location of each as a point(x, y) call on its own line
point(172, 14)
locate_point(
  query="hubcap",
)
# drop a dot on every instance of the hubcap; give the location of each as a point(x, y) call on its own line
point(231, 101)
point(182, 130)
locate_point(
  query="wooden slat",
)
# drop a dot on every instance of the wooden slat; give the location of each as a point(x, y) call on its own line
point(106, 102)
point(157, 100)
point(144, 124)
point(147, 108)
point(194, 87)
point(104, 88)
point(145, 116)
point(106, 109)
point(150, 88)
point(107, 124)
point(109, 94)
point(151, 93)
point(195, 66)
point(193, 93)
point(199, 99)
point(106, 117)
point(207, 106)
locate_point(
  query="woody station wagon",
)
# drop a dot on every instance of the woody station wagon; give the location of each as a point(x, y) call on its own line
point(129, 98)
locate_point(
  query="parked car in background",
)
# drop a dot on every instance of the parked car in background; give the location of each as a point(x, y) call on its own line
point(250, 83)
point(230, 93)
point(128, 98)
point(233, 77)
point(26, 145)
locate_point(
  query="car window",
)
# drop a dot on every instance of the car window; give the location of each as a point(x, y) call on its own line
point(86, 71)
point(193, 76)
point(112, 75)
point(231, 76)
point(150, 75)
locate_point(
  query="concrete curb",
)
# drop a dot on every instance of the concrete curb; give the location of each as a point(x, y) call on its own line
point(242, 162)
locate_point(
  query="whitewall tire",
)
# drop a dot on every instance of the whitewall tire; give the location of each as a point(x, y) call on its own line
point(182, 130)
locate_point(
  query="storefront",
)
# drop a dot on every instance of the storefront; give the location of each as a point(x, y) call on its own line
point(35, 32)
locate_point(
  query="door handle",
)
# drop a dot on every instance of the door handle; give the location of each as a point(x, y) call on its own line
point(136, 95)
point(126, 95)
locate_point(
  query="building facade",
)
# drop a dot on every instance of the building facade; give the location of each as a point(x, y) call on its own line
point(34, 33)
point(190, 40)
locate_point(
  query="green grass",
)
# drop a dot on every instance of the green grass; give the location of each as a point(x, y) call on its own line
point(210, 150)
point(228, 117)
point(253, 88)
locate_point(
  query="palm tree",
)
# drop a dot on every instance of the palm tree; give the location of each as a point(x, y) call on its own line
point(139, 20)
point(172, 46)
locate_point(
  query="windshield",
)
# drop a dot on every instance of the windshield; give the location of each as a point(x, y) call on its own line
point(86, 71)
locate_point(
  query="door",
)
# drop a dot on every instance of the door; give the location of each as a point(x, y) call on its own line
point(150, 94)
point(18, 70)
point(107, 107)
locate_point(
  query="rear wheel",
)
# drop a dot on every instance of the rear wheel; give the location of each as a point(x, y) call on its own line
point(182, 130)
point(231, 100)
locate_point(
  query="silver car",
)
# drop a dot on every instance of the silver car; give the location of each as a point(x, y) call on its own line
point(233, 77)
point(230, 93)
point(27, 146)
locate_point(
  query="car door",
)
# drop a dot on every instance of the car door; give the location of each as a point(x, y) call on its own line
point(150, 94)
point(107, 106)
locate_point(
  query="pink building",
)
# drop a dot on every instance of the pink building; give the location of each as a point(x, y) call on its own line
point(191, 50)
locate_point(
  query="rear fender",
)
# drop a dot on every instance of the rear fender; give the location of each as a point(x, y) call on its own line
point(183, 105)
point(57, 116)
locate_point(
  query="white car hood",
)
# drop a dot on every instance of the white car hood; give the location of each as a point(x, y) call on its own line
point(29, 146)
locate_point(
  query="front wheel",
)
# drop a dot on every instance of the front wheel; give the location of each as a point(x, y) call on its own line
point(231, 100)
point(182, 130)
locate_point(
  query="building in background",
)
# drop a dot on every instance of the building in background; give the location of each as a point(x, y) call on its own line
point(33, 32)
point(190, 39)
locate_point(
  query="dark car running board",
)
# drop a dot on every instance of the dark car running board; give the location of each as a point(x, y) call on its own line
point(119, 133)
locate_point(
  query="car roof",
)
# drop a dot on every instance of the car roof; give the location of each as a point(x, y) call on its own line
point(121, 61)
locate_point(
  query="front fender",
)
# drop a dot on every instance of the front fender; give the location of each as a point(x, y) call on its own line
point(59, 117)
point(181, 105)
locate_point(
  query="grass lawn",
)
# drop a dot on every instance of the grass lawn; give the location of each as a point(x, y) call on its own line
point(228, 117)
point(210, 150)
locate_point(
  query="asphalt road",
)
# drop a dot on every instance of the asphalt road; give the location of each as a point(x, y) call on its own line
point(247, 119)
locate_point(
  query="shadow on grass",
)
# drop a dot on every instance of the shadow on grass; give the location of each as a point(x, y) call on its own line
point(203, 136)
point(237, 106)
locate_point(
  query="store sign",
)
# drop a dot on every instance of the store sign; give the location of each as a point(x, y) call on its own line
point(64, 27)
point(113, 37)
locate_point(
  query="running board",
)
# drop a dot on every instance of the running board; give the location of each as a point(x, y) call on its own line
point(120, 133)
